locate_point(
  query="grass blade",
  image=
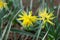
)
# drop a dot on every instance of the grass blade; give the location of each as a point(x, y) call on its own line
point(39, 30)
point(31, 3)
point(8, 27)
point(45, 35)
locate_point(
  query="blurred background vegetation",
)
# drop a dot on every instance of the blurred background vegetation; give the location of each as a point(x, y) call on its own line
point(17, 32)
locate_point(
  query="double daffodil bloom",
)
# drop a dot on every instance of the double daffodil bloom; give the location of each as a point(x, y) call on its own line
point(2, 5)
point(27, 19)
point(46, 17)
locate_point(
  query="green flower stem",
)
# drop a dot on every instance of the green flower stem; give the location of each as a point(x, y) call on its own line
point(46, 34)
point(21, 4)
point(39, 31)
point(31, 3)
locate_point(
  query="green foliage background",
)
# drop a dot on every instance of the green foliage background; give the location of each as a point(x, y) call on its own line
point(9, 18)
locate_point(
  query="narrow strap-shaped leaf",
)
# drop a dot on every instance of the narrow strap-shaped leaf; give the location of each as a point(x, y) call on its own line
point(45, 34)
point(0, 29)
point(51, 4)
point(43, 3)
point(31, 3)
point(8, 27)
point(5, 16)
point(39, 31)
point(58, 10)
point(22, 32)
point(21, 4)
point(1, 23)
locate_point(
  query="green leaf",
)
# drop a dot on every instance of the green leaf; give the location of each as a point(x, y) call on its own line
point(31, 3)
point(45, 34)
point(8, 26)
point(22, 32)
point(39, 31)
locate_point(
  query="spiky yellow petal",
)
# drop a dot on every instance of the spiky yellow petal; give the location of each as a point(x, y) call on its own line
point(3, 4)
point(27, 19)
point(46, 17)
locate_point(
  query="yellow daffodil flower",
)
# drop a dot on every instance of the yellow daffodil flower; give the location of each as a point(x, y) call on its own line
point(27, 19)
point(46, 17)
point(2, 5)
